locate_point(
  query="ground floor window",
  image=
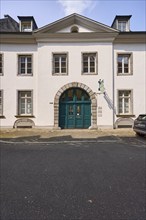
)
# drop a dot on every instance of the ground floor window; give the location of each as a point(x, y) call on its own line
point(125, 102)
point(1, 102)
point(25, 102)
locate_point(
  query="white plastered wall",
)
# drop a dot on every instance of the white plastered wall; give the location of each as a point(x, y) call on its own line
point(49, 85)
point(10, 82)
point(137, 81)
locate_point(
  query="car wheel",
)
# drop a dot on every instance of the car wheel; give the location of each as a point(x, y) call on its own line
point(139, 134)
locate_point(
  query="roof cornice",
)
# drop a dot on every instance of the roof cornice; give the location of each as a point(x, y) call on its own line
point(131, 37)
point(17, 38)
point(76, 37)
point(75, 19)
point(33, 37)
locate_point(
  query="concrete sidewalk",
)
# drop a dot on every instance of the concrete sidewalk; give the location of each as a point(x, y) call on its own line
point(66, 133)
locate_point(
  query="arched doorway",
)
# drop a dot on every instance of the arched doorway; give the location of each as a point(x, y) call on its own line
point(74, 109)
point(88, 91)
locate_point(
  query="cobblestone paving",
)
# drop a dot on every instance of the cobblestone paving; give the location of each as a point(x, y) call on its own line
point(77, 133)
point(125, 136)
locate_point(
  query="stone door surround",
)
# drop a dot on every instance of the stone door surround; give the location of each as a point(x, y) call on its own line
point(92, 98)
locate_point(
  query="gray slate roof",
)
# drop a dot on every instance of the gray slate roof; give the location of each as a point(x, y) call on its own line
point(8, 24)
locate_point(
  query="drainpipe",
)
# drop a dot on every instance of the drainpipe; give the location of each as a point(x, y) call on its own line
point(113, 70)
point(145, 77)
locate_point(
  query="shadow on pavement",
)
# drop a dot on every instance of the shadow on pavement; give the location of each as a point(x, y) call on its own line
point(68, 138)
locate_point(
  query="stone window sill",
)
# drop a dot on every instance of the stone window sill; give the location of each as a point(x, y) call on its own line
point(125, 74)
point(88, 74)
point(125, 116)
point(25, 74)
point(2, 117)
point(60, 74)
point(24, 116)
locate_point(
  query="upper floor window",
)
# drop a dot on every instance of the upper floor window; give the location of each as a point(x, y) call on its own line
point(1, 102)
point(60, 64)
point(89, 65)
point(125, 102)
point(1, 64)
point(122, 25)
point(125, 64)
point(25, 65)
point(24, 102)
point(26, 26)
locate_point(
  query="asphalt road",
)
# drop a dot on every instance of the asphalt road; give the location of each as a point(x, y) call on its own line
point(73, 181)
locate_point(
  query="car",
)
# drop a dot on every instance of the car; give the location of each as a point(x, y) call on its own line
point(140, 125)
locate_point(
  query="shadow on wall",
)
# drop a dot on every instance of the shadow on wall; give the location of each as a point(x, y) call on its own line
point(109, 102)
point(122, 122)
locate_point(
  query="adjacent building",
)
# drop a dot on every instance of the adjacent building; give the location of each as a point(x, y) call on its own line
point(72, 73)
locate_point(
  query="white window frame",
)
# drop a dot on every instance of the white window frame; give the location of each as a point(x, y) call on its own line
point(60, 56)
point(1, 64)
point(26, 63)
point(26, 26)
point(89, 55)
point(1, 102)
point(130, 63)
point(27, 106)
point(123, 98)
point(122, 26)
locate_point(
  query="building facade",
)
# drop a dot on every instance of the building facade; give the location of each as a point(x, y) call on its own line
point(73, 73)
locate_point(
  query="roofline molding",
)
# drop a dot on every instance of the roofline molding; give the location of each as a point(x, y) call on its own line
point(131, 37)
point(75, 18)
point(34, 38)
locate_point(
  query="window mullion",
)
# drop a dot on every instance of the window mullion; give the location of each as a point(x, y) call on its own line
point(123, 102)
point(25, 105)
point(123, 65)
point(88, 64)
point(129, 104)
point(1, 102)
point(26, 65)
point(60, 64)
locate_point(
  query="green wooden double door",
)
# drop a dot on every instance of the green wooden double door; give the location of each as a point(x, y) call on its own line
point(75, 109)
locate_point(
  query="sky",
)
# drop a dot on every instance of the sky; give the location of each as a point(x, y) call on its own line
point(103, 11)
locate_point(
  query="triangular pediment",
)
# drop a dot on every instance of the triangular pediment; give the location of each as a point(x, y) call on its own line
point(83, 24)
